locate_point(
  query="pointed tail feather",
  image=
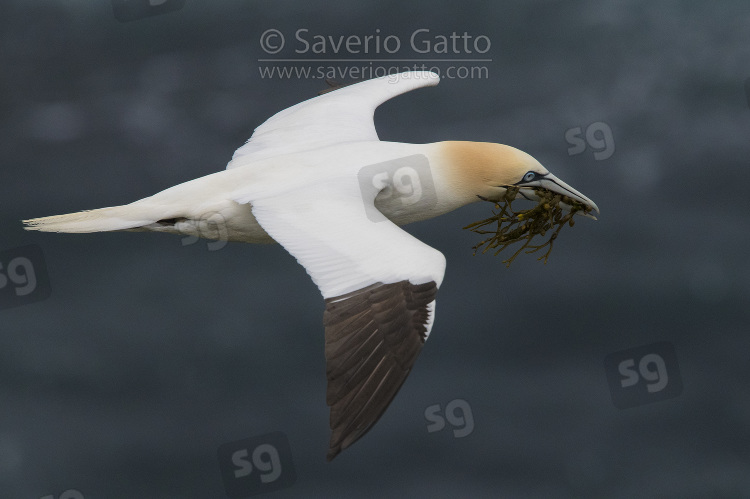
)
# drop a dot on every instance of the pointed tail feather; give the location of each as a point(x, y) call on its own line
point(102, 220)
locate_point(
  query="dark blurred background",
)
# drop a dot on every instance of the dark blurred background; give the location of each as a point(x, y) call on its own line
point(150, 353)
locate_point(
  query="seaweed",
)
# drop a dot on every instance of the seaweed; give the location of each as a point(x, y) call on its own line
point(524, 225)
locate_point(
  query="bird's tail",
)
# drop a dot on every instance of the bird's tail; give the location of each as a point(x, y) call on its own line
point(125, 217)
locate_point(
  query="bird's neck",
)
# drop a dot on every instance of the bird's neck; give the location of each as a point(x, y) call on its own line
point(463, 169)
point(441, 177)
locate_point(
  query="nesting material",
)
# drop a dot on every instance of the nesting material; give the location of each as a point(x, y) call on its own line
point(552, 213)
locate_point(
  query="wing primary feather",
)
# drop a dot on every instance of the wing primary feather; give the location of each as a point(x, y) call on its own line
point(373, 337)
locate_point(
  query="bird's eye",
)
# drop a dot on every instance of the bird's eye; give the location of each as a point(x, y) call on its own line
point(529, 177)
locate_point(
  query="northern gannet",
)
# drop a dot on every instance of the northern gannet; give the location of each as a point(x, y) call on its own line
point(316, 179)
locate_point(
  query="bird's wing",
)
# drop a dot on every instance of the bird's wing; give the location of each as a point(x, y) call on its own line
point(379, 285)
point(343, 115)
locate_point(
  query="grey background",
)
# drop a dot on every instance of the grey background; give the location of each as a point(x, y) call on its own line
point(149, 355)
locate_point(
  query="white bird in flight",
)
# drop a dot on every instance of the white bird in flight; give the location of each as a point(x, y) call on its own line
point(316, 179)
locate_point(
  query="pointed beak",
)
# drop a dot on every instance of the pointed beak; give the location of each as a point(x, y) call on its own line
point(554, 184)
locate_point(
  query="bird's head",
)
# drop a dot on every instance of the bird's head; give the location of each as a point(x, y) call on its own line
point(489, 169)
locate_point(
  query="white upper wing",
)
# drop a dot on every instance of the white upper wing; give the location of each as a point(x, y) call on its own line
point(326, 227)
point(343, 115)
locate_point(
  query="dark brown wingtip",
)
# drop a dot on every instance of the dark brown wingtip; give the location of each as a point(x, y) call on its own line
point(334, 85)
point(373, 337)
point(333, 452)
